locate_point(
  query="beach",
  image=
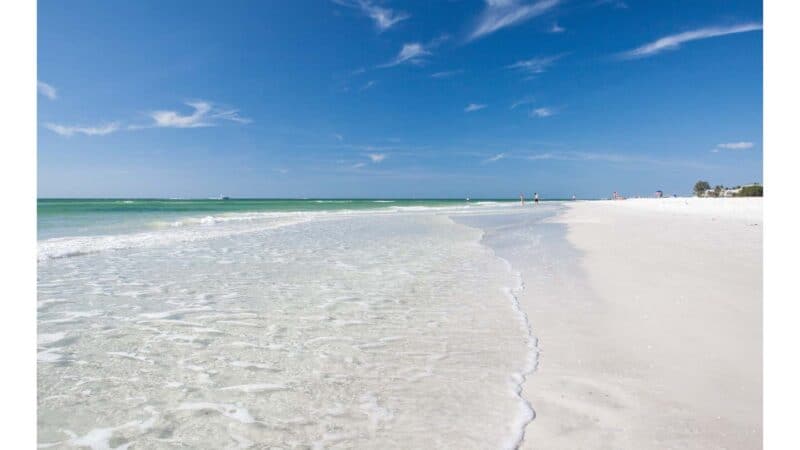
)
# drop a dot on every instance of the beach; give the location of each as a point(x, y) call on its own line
point(661, 347)
point(400, 324)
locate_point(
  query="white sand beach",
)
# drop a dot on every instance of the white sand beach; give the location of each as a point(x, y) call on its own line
point(661, 347)
point(615, 325)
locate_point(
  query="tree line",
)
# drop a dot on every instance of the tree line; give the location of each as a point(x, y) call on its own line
point(703, 189)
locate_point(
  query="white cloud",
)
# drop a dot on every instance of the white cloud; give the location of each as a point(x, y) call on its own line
point(557, 29)
point(376, 157)
point(368, 85)
point(496, 157)
point(410, 53)
point(504, 13)
point(174, 119)
point(70, 130)
point(524, 101)
point(541, 156)
point(542, 112)
point(474, 107)
point(204, 115)
point(535, 66)
point(613, 158)
point(47, 90)
point(338, 137)
point(733, 146)
point(447, 73)
point(384, 18)
point(674, 41)
point(358, 165)
point(230, 114)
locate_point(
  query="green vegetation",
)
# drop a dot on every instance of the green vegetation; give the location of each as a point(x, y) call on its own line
point(755, 190)
point(701, 187)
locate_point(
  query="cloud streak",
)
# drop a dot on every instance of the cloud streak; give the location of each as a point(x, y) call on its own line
point(47, 90)
point(500, 14)
point(495, 158)
point(368, 85)
point(733, 146)
point(474, 107)
point(376, 157)
point(204, 115)
point(384, 18)
point(542, 112)
point(447, 73)
point(71, 130)
point(611, 158)
point(411, 53)
point(535, 66)
point(524, 101)
point(674, 42)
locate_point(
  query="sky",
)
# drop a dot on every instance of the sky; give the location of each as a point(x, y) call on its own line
point(412, 99)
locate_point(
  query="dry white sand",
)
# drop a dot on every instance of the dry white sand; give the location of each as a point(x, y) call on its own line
point(661, 348)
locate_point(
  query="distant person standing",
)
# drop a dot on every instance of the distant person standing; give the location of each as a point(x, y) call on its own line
point(573, 197)
point(535, 198)
point(522, 200)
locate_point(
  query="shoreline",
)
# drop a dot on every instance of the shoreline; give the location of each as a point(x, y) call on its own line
point(661, 347)
point(645, 315)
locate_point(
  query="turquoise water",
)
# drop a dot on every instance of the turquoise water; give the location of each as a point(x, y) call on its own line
point(280, 324)
point(91, 217)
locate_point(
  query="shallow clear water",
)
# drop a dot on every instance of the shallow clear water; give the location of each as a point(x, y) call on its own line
point(379, 329)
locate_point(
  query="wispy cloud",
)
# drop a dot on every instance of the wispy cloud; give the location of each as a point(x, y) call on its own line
point(383, 17)
point(542, 112)
point(674, 41)
point(556, 28)
point(612, 158)
point(474, 107)
point(495, 158)
point(338, 137)
point(47, 90)
point(368, 85)
point(523, 101)
point(376, 157)
point(70, 130)
point(499, 14)
point(535, 66)
point(447, 73)
point(412, 53)
point(733, 146)
point(541, 156)
point(205, 114)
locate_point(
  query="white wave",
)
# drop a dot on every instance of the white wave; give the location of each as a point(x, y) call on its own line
point(214, 226)
point(64, 247)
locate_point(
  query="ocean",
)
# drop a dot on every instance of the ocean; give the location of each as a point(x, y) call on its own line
point(286, 323)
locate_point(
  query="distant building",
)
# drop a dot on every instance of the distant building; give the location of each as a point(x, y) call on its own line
point(728, 192)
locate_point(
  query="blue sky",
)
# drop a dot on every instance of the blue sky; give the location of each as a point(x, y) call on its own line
point(370, 98)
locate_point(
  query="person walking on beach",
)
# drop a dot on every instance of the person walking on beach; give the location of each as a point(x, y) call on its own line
point(536, 198)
